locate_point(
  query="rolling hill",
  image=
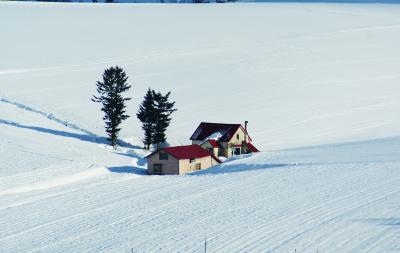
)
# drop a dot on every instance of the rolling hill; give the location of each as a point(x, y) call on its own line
point(319, 84)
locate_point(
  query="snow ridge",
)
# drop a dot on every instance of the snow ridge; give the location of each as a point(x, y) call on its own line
point(57, 182)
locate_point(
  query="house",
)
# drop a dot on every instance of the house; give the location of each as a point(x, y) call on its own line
point(222, 139)
point(180, 160)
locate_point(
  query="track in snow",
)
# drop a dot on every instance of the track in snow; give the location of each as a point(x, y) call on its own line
point(49, 116)
point(322, 206)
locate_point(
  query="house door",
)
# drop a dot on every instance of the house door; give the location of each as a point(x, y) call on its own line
point(157, 169)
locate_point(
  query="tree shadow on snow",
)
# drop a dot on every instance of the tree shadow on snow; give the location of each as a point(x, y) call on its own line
point(82, 137)
point(141, 161)
point(127, 169)
point(232, 168)
point(127, 145)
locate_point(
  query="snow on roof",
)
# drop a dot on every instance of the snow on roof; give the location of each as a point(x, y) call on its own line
point(215, 136)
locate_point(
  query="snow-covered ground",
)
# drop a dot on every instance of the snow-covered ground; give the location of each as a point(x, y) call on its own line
point(304, 75)
point(335, 198)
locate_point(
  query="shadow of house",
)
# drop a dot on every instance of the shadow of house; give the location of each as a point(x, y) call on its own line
point(384, 221)
point(232, 168)
point(127, 169)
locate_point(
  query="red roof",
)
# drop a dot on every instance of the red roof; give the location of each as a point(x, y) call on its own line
point(213, 143)
point(252, 148)
point(187, 152)
point(206, 129)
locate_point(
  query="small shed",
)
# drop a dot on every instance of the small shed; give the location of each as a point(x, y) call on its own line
point(180, 160)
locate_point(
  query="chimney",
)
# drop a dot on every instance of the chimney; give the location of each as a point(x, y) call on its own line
point(245, 128)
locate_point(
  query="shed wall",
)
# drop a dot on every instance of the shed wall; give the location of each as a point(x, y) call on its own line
point(185, 166)
point(169, 167)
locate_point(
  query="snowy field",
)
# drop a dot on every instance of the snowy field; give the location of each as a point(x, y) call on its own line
point(304, 75)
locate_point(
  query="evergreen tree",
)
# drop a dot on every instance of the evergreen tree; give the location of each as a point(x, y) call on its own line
point(110, 96)
point(146, 114)
point(163, 111)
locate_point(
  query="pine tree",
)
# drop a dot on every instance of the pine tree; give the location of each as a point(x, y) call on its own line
point(146, 114)
point(110, 95)
point(163, 111)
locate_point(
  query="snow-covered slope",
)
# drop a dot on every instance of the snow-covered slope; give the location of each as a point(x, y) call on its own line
point(302, 74)
point(337, 198)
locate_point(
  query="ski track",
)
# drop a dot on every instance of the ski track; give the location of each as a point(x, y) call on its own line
point(49, 116)
point(251, 243)
point(86, 224)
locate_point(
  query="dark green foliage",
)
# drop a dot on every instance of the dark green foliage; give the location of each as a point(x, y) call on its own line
point(155, 115)
point(110, 95)
point(146, 115)
point(163, 110)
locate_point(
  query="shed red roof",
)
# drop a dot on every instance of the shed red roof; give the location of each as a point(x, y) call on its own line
point(187, 152)
point(206, 129)
point(252, 147)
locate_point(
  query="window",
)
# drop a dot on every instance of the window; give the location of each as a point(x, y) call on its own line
point(191, 160)
point(198, 166)
point(236, 151)
point(163, 156)
point(237, 136)
point(157, 169)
